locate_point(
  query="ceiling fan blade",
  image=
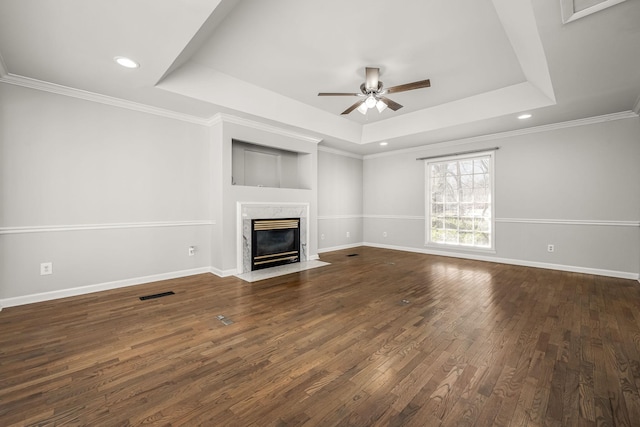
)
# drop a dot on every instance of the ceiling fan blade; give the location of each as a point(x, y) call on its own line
point(372, 77)
point(409, 86)
point(338, 94)
point(391, 104)
point(353, 107)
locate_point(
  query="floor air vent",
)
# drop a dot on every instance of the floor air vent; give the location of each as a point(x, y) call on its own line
point(225, 320)
point(164, 294)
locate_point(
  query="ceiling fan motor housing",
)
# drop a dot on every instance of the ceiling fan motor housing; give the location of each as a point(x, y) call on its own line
point(363, 89)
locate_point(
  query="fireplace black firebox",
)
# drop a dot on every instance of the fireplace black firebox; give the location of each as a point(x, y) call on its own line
point(274, 242)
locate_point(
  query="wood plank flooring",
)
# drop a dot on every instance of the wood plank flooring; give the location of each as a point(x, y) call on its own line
point(473, 344)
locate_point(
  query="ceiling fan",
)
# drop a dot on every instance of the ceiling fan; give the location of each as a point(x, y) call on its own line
point(373, 93)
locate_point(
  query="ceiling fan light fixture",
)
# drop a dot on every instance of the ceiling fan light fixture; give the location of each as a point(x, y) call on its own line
point(381, 106)
point(371, 101)
point(374, 95)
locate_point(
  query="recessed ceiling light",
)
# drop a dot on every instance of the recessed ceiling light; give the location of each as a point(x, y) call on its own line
point(126, 62)
point(524, 116)
point(383, 143)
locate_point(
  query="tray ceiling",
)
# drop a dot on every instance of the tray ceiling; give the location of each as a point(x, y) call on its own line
point(487, 60)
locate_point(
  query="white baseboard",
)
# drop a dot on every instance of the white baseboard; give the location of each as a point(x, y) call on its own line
point(341, 247)
point(81, 290)
point(63, 293)
point(223, 273)
point(548, 266)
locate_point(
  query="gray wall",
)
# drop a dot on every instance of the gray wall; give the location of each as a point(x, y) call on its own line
point(100, 179)
point(574, 187)
point(339, 200)
point(114, 197)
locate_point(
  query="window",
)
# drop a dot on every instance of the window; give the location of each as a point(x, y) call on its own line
point(460, 201)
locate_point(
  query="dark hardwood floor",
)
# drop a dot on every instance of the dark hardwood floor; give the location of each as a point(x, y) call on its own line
point(473, 343)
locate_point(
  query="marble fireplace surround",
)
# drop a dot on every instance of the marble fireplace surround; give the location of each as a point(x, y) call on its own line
point(246, 211)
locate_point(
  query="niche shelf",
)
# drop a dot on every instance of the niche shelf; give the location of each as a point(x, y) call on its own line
point(255, 165)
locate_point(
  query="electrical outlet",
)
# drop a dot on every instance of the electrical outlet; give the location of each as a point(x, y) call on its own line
point(551, 248)
point(348, 234)
point(192, 250)
point(322, 236)
point(46, 268)
point(384, 234)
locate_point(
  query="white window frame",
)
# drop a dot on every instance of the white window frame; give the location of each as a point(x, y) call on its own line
point(428, 197)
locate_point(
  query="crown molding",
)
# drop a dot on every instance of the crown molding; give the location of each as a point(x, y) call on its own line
point(570, 14)
point(526, 131)
point(95, 97)
point(6, 77)
point(228, 118)
point(30, 83)
point(339, 152)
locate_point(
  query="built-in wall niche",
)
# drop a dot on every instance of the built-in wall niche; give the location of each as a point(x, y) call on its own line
point(257, 165)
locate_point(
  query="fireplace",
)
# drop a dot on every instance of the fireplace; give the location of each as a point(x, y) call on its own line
point(274, 242)
point(249, 211)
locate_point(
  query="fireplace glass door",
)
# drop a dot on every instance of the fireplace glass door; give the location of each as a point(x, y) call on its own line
point(274, 242)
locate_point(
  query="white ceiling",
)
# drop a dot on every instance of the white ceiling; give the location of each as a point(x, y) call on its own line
point(488, 60)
